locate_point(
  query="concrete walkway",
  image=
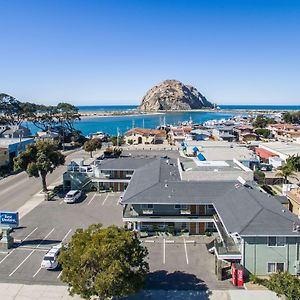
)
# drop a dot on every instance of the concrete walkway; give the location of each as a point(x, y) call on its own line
point(10, 291)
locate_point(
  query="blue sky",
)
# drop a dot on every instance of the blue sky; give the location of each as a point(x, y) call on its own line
point(112, 52)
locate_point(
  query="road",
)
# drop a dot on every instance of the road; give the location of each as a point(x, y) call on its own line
point(16, 190)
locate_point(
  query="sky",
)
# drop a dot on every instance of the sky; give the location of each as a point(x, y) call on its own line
point(111, 52)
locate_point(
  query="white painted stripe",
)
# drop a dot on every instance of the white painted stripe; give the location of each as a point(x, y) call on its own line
point(30, 234)
point(149, 241)
point(30, 254)
point(164, 251)
point(170, 241)
point(3, 259)
point(186, 254)
point(58, 276)
point(21, 263)
point(66, 235)
point(21, 243)
point(92, 198)
point(190, 242)
point(105, 199)
point(40, 268)
point(61, 202)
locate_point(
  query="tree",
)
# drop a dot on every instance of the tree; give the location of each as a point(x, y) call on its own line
point(117, 151)
point(292, 117)
point(282, 283)
point(92, 145)
point(262, 121)
point(294, 162)
point(39, 159)
point(263, 132)
point(104, 262)
point(286, 171)
point(117, 141)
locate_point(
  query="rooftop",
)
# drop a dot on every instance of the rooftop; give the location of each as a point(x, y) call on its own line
point(282, 147)
point(5, 142)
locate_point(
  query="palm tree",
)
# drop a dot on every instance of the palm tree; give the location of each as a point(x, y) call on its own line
point(285, 172)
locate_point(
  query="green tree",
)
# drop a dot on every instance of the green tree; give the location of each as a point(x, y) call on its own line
point(39, 160)
point(263, 132)
point(262, 121)
point(286, 171)
point(282, 283)
point(294, 162)
point(117, 141)
point(92, 145)
point(104, 262)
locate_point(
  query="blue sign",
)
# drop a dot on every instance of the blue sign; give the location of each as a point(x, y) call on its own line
point(9, 219)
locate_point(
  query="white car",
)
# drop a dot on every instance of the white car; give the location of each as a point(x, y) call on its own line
point(72, 196)
point(49, 261)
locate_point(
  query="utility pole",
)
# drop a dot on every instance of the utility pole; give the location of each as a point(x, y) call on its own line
point(117, 136)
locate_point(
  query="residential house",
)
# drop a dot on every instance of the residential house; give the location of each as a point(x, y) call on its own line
point(49, 136)
point(286, 132)
point(223, 133)
point(14, 131)
point(294, 201)
point(145, 136)
point(245, 133)
point(177, 135)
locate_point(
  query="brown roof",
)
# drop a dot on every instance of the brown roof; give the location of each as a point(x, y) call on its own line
point(146, 131)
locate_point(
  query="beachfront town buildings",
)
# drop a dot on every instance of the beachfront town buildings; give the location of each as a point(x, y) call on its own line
point(190, 195)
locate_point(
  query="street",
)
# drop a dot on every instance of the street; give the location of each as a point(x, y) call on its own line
point(16, 190)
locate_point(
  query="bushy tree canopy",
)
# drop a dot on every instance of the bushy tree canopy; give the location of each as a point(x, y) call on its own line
point(92, 145)
point(39, 160)
point(104, 262)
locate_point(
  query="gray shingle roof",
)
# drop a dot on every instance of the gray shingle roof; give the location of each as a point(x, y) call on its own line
point(242, 209)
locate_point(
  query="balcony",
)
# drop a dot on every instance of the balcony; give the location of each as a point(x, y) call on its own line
point(183, 215)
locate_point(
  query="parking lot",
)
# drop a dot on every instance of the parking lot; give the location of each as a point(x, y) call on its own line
point(174, 261)
point(181, 262)
point(49, 224)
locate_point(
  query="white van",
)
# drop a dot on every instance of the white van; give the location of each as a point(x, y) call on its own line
point(50, 261)
point(72, 196)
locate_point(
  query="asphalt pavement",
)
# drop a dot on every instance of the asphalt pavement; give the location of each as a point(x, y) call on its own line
point(16, 190)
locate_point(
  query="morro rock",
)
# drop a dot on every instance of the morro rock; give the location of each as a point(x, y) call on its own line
point(173, 95)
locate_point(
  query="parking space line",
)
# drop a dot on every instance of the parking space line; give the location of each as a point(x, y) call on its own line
point(30, 254)
point(61, 202)
point(164, 252)
point(66, 235)
point(105, 199)
point(58, 276)
point(92, 198)
point(40, 268)
point(30, 234)
point(3, 259)
point(21, 263)
point(186, 254)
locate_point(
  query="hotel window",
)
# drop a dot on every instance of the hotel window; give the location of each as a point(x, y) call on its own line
point(180, 206)
point(275, 267)
point(147, 206)
point(276, 241)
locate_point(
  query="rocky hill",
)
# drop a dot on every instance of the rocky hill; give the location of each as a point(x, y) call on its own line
point(173, 95)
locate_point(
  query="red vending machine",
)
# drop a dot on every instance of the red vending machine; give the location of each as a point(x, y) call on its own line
point(234, 274)
point(240, 276)
point(237, 272)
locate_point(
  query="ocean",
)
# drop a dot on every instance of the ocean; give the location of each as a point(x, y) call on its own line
point(110, 125)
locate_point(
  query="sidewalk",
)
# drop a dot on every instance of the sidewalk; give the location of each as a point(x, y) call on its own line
point(50, 292)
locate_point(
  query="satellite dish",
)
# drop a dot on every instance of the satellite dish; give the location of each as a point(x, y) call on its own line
point(241, 180)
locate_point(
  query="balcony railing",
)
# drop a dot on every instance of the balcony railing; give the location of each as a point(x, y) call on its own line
point(226, 245)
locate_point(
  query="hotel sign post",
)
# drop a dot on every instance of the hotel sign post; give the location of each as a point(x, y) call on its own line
point(8, 220)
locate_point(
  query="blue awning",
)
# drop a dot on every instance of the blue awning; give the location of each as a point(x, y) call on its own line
point(201, 157)
point(195, 149)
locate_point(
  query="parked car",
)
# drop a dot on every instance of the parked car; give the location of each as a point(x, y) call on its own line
point(72, 196)
point(50, 261)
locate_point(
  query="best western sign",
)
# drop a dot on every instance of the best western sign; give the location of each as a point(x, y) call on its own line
point(9, 219)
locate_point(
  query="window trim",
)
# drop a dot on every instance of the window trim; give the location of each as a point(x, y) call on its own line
point(276, 244)
point(147, 206)
point(274, 262)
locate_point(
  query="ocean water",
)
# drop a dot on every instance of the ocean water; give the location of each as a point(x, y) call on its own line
point(111, 125)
